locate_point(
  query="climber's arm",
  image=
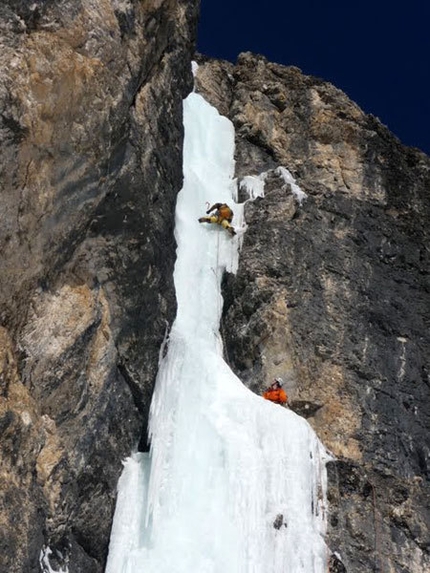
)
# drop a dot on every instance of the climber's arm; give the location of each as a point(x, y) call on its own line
point(215, 206)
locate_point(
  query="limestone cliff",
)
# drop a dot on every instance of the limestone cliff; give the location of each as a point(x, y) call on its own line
point(332, 294)
point(91, 137)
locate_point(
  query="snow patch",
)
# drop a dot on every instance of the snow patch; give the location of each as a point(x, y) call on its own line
point(45, 564)
point(289, 179)
point(253, 185)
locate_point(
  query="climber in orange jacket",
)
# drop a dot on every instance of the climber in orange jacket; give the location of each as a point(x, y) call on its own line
point(223, 216)
point(276, 393)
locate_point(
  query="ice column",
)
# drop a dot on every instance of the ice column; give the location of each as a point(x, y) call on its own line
point(233, 483)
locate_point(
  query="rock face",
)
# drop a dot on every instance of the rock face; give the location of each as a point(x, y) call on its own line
point(332, 294)
point(91, 137)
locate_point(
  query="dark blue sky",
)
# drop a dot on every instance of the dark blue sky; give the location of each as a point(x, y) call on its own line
point(377, 52)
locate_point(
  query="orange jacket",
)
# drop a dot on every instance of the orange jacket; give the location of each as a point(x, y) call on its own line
point(277, 395)
point(223, 212)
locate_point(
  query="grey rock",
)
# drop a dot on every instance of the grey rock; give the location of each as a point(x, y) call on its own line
point(91, 137)
point(332, 292)
point(333, 296)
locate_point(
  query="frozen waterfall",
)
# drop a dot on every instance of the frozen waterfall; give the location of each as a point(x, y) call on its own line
point(233, 483)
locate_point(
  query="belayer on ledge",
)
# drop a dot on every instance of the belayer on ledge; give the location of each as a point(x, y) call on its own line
point(223, 216)
point(276, 393)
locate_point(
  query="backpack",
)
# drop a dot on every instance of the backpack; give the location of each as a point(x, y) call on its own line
point(224, 212)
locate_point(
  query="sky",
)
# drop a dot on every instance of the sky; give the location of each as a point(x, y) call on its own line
point(376, 51)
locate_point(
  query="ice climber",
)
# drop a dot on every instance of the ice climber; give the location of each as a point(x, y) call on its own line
point(223, 216)
point(276, 393)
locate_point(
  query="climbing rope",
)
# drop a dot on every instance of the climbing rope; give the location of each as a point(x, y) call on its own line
point(218, 278)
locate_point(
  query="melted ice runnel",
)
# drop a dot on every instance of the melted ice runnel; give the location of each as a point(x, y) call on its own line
point(233, 483)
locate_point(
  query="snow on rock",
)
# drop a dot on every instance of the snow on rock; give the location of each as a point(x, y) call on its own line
point(254, 184)
point(289, 179)
point(233, 483)
point(46, 554)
